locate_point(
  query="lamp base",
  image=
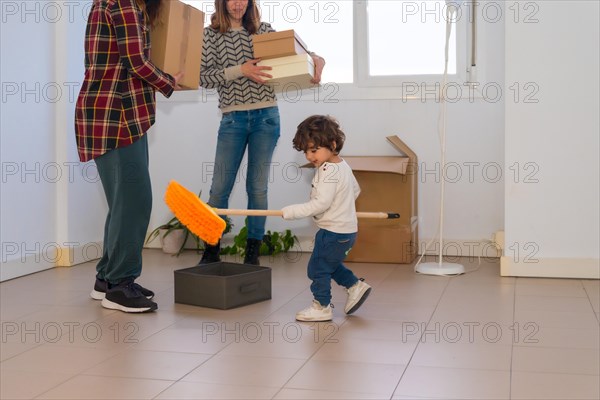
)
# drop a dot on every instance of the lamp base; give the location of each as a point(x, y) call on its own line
point(435, 268)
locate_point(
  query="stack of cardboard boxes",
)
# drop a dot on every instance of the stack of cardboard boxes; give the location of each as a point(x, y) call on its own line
point(286, 53)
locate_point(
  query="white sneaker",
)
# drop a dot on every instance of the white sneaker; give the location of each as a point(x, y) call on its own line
point(316, 312)
point(357, 294)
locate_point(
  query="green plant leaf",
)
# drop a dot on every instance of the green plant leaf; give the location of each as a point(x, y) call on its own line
point(228, 224)
point(273, 242)
point(229, 250)
point(275, 237)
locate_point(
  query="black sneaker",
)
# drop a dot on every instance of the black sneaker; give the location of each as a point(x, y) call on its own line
point(99, 291)
point(127, 297)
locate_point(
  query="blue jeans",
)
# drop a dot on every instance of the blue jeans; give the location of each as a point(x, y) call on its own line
point(326, 264)
point(259, 131)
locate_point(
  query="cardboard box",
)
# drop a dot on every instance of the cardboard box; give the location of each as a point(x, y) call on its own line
point(278, 44)
point(222, 285)
point(291, 72)
point(177, 40)
point(389, 184)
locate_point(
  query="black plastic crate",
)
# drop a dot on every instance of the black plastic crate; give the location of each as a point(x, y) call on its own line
point(222, 285)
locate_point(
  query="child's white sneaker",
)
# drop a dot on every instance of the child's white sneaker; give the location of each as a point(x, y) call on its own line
point(357, 294)
point(316, 312)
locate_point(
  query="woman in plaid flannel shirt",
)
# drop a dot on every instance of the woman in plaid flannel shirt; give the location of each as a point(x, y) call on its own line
point(114, 110)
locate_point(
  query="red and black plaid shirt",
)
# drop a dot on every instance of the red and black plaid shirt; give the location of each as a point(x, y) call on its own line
point(116, 104)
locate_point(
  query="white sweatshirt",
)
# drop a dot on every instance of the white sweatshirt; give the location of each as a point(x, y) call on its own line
point(334, 191)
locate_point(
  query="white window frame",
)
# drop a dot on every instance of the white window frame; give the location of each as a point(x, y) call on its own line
point(362, 77)
point(387, 87)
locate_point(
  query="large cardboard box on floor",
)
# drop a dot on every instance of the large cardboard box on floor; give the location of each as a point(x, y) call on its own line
point(388, 184)
point(278, 44)
point(291, 72)
point(177, 42)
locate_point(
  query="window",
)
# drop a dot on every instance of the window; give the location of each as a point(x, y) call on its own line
point(325, 27)
point(408, 38)
point(405, 41)
point(374, 43)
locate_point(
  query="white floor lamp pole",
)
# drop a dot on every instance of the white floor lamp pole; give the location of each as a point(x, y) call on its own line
point(441, 267)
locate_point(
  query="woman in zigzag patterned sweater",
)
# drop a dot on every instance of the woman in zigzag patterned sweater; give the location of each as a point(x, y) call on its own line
point(250, 116)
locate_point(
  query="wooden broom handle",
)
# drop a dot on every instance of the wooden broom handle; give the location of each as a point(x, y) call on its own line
point(279, 213)
point(377, 215)
point(254, 213)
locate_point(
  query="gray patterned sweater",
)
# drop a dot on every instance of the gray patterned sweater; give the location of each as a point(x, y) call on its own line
point(222, 59)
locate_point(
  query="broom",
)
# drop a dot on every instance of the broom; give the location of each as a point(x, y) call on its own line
point(205, 222)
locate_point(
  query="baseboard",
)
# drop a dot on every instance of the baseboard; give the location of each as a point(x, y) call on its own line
point(50, 257)
point(454, 248)
point(578, 268)
point(70, 256)
point(305, 244)
point(21, 267)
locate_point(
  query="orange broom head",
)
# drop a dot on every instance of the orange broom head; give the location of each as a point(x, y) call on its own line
point(196, 215)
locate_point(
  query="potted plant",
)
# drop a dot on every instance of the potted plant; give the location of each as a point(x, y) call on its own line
point(273, 242)
point(174, 235)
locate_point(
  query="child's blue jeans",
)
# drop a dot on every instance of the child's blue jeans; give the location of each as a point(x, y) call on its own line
point(326, 264)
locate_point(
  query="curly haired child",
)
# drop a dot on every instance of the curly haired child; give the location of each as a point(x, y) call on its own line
point(333, 194)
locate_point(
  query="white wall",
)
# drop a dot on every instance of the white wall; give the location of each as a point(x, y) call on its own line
point(46, 203)
point(62, 207)
point(81, 206)
point(183, 142)
point(182, 148)
point(27, 146)
point(552, 223)
point(37, 135)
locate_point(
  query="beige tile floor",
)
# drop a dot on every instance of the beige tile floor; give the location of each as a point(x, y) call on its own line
point(475, 336)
